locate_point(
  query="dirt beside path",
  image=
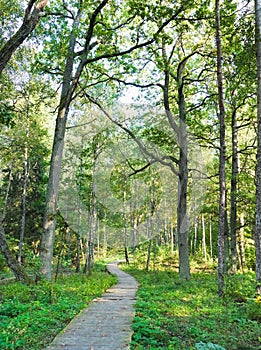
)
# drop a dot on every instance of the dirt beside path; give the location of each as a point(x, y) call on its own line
point(106, 323)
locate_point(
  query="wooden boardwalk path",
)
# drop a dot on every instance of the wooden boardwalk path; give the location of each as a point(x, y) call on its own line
point(106, 323)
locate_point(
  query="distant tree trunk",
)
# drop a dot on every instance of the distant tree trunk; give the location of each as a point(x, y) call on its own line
point(125, 216)
point(78, 254)
point(11, 261)
point(171, 239)
point(98, 235)
point(222, 157)
point(241, 243)
point(258, 166)
point(204, 246)
point(226, 238)
point(195, 236)
point(105, 243)
point(148, 255)
point(91, 232)
point(31, 18)
point(210, 238)
point(25, 181)
point(233, 196)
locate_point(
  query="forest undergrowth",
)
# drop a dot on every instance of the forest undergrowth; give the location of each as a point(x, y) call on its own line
point(173, 314)
point(31, 316)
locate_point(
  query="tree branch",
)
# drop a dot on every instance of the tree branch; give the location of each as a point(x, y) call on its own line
point(135, 139)
point(32, 14)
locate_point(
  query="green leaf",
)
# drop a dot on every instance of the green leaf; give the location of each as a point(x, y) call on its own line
point(208, 346)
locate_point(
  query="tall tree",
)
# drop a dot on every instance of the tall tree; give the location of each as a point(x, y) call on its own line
point(258, 166)
point(76, 61)
point(222, 155)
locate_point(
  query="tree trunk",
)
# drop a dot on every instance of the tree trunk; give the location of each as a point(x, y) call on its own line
point(125, 216)
point(69, 85)
point(91, 230)
point(78, 254)
point(171, 239)
point(195, 236)
point(258, 166)
point(47, 241)
point(241, 243)
point(204, 246)
point(148, 255)
point(222, 157)
point(25, 181)
point(183, 220)
point(210, 238)
point(233, 195)
point(12, 263)
point(31, 18)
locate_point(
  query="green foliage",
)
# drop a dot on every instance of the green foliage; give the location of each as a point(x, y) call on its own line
point(173, 314)
point(30, 317)
point(208, 346)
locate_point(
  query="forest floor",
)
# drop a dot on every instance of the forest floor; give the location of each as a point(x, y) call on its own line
point(106, 323)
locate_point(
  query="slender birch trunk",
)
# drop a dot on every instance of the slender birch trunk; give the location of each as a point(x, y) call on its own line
point(125, 216)
point(258, 166)
point(210, 238)
point(233, 195)
point(222, 157)
point(25, 182)
point(204, 246)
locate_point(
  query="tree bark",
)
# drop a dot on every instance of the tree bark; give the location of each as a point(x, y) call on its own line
point(125, 216)
point(233, 195)
point(222, 156)
point(181, 132)
point(47, 241)
point(69, 85)
point(210, 238)
point(25, 181)
point(241, 243)
point(258, 166)
point(31, 18)
point(183, 220)
point(204, 246)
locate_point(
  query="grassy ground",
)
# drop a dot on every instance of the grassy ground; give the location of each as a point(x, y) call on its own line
point(30, 317)
point(174, 314)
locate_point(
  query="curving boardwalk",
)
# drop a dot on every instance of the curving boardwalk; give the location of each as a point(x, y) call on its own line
point(106, 323)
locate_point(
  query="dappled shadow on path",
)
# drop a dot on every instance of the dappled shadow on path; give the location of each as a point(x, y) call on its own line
point(106, 323)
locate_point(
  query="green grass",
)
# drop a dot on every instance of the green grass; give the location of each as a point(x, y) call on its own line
point(174, 314)
point(30, 317)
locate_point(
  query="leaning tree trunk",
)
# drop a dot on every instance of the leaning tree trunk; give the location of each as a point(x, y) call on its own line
point(222, 158)
point(258, 167)
point(31, 18)
point(11, 261)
